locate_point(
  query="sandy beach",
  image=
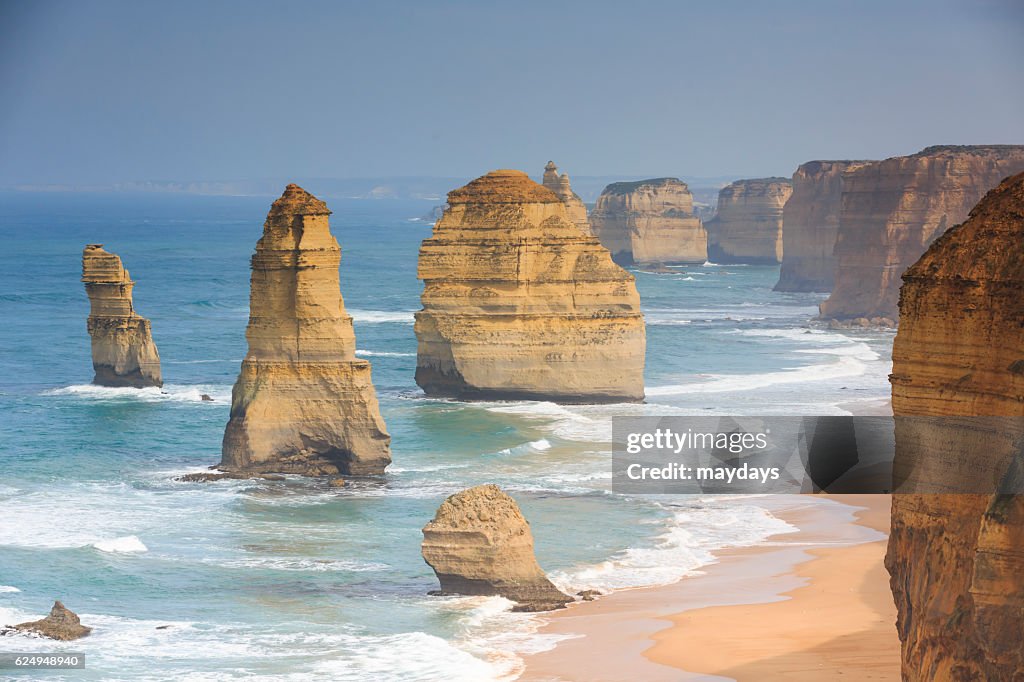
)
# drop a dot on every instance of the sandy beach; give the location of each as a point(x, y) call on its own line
point(807, 605)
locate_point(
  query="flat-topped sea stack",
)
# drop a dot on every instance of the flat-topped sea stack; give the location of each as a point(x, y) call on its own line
point(648, 222)
point(123, 352)
point(810, 224)
point(893, 209)
point(480, 544)
point(957, 560)
point(303, 402)
point(574, 206)
point(519, 303)
point(747, 227)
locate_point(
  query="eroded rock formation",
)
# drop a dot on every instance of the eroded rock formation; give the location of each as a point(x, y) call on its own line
point(62, 624)
point(957, 560)
point(303, 402)
point(123, 352)
point(480, 544)
point(747, 228)
point(893, 209)
point(519, 303)
point(810, 224)
point(574, 206)
point(649, 221)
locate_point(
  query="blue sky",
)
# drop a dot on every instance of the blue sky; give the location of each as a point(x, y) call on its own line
point(100, 92)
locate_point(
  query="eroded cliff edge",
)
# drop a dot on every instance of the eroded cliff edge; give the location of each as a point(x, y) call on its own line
point(892, 210)
point(747, 227)
point(123, 352)
point(649, 221)
point(303, 402)
point(519, 303)
point(957, 560)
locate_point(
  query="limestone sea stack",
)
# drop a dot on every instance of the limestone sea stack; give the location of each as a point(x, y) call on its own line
point(123, 352)
point(574, 206)
point(62, 624)
point(810, 224)
point(649, 221)
point(520, 303)
point(303, 402)
point(957, 560)
point(480, 544)
point(747, 227)
point(893, 209)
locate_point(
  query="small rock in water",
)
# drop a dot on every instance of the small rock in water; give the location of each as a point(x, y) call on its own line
point(62, 624)
point(588, 595)
point(205, 398)
point(336, 483)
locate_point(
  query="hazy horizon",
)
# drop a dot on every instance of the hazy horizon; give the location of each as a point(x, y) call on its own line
point(102, 93)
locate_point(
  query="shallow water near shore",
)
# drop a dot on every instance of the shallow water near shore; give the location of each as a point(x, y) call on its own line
point(295, 580)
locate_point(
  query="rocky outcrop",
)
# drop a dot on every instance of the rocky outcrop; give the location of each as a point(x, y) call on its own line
point(957, 560)
point(123, 352)
point(519, 303)
point(893, 209)
point(747, 227)
point(480, 544)
point(649, 221)
point(303, 402)
point(62, 624)
point(810, 224)
point(574, 206)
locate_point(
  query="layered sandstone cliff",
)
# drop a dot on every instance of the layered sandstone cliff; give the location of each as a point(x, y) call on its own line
point(810, 224)
point(893, 209)
point(123, 352)
point(649, 221)
point(519, 303)
point(480, 544)
point(303, 402)
point(747, 228)
point(957, 560)
point(574, 206)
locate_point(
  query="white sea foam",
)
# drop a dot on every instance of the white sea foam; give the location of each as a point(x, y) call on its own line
point(382, 354)
point(845, 366)
point(382, 316)
point(8, 588)
point(127, 545)
point(168, 393)
point(532, 446)
point(302, 564)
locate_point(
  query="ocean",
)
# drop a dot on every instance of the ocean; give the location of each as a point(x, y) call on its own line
point(294, 580)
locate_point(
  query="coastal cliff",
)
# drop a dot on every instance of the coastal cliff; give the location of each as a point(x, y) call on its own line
point(479, 544)
point(519, 303)
point(810, 224)
point(574, 206)
point(957, 560)
point(893, 209)
point(747, 227)
point(303, 402)
point(649, 221)
point(123, 352)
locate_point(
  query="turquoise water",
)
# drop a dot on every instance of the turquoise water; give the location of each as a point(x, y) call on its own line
point(295, 580)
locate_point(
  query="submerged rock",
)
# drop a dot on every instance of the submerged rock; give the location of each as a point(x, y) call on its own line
point(747, 227)
point(303, 403)
point(575, 209)
point(519, 303)
point(480, 544)
point(123, 352)
point(62, 624)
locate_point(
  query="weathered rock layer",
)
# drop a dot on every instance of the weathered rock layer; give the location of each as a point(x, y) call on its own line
point(123, 352)
point(810, 224)
point(957, 560)
point(480, 544)
point(303, 402)
point(519, 303)
point(62, 624)
point(893, 209)
point(649, 221)
point(747, 227)
point(575, 209)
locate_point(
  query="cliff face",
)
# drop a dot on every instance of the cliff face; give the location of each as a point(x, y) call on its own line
point(748, 225)
point(893, 209)
point(519, 303)
point(575, 209)
point(810, 224)
point(957, 561)
point(650, 221)
point(123, 352)
point(303, 402)
point(479, 543)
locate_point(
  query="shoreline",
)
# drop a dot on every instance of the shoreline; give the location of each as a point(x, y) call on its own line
point(745, 616)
